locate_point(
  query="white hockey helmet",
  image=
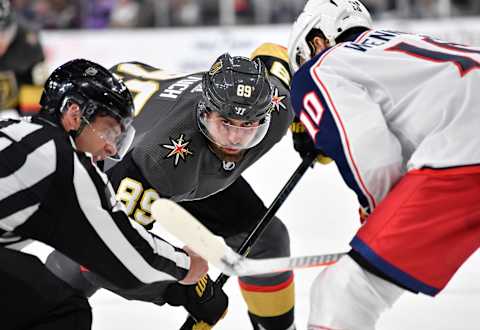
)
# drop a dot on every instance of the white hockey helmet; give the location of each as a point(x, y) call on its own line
point(332, 17)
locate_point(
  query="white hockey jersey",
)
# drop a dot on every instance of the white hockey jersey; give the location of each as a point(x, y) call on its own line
point(390, 102)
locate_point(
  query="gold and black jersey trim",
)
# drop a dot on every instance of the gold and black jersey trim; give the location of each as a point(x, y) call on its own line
point(275, 58)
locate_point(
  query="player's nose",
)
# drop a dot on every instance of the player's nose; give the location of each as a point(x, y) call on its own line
point(110, 150)
point(234, 135)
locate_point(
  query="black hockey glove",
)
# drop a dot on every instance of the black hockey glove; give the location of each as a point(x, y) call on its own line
point(205, 301)
point(303, 144)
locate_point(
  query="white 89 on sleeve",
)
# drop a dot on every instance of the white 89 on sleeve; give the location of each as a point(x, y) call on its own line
point(137, 202)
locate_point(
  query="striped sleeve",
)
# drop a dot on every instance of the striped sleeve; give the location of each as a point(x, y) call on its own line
point(55, 195)
point(349, 127)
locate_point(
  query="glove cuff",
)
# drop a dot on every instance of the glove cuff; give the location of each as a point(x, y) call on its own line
point(176, 294)
point(297, 127)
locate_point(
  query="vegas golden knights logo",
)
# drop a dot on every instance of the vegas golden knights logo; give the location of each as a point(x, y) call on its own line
point(8, 90)
point(215, 68)
point(201, 286)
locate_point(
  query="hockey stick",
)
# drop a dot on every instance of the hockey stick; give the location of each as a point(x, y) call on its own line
point(177, 221)
point(262, 224)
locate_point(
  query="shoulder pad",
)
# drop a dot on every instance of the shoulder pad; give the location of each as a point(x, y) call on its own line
point(275, 58)
point(136, 69)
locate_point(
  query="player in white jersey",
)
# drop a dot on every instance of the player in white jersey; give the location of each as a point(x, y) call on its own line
point(398, 113)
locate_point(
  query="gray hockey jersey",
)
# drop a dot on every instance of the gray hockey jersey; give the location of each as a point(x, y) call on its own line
point(170, 157)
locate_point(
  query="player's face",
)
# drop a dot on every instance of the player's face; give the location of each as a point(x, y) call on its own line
point(100, 137)
point(231, 135)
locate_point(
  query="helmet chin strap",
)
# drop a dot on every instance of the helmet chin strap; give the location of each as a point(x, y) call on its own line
point(66, 103)
point(76, 133)
point(311, 46)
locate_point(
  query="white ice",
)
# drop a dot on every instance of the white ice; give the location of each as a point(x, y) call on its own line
point(321, 214)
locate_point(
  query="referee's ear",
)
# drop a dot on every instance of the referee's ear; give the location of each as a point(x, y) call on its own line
point(71, 119)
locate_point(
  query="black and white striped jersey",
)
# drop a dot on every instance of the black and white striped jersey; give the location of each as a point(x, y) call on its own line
point(51, 192)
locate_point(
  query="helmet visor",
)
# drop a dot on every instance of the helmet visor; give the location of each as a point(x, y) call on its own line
point(300, 58)
point(231, 133)
point(303, 52)
point(123, 142)
point(121, 139)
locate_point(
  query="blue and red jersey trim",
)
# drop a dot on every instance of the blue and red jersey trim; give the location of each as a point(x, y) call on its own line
point(390, 270)
point(325, 132)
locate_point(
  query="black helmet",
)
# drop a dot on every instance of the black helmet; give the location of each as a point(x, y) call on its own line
point(237, 88)
point(94, 89)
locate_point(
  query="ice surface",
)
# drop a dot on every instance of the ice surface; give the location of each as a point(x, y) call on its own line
point(321, 214)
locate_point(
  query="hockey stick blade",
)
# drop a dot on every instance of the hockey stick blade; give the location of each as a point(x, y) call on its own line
point(178, 222)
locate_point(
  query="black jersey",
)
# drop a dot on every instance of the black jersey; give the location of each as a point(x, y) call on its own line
point(170, 156)
point(22, 71)
point(53, 193)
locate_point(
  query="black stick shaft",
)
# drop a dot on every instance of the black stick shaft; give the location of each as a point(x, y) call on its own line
point(262, 224)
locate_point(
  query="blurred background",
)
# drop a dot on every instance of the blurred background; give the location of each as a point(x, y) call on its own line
point(103, 14)
point(36, 36)
point(178, 35)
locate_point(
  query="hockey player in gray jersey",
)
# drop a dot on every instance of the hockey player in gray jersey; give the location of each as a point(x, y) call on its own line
point(196, 134)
